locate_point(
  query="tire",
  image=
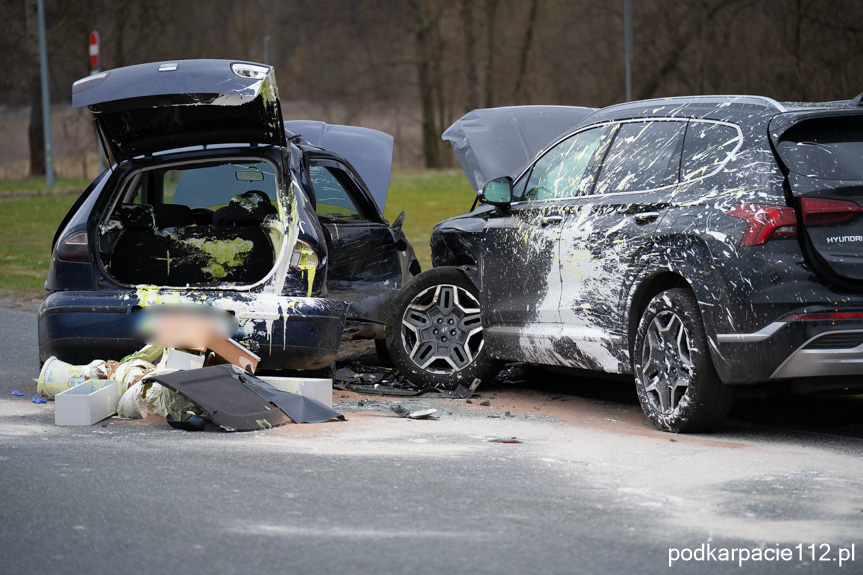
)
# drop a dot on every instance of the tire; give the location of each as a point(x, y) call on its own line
point(434, 331)
point(383, 353)
point(677, 384)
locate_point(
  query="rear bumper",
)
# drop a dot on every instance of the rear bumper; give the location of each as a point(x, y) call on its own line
point(287, 333)
point(786, 350)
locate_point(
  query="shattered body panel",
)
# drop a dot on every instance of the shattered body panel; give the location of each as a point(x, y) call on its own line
point(564, 276)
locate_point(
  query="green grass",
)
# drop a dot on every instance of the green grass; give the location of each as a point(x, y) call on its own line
point(38, 186)
point(427, 197)
point(27, 224)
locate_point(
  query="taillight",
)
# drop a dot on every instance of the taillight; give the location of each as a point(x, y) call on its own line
point(304, 257)
point(74, 248)
point(823, 316)
point(818, 211)
point(764, 222)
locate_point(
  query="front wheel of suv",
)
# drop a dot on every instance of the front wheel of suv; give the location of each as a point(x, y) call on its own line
point(434, 331)
point(677, 384)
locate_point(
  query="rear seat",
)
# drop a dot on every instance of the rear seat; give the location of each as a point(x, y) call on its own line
point(161, 246)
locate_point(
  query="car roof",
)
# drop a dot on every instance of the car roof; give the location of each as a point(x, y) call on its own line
point(733, 108)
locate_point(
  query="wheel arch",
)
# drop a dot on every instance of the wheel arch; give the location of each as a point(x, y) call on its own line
point(646, 291)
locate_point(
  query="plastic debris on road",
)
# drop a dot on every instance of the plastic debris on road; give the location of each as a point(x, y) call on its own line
point(17, 393)
point(37, 399)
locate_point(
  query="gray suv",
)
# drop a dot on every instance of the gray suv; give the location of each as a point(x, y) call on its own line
point(699, 245)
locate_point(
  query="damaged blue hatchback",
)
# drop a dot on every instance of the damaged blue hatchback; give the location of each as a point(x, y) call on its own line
point(702, 246)
point(212, 199)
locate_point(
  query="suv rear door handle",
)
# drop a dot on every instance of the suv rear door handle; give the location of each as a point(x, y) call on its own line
point(646, 217)
point(551, 220)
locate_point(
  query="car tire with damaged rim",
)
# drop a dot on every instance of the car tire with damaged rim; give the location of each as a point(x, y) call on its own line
point(434, 331)
point(677, 384)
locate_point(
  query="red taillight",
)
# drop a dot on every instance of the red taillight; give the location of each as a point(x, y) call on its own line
point(764, 222)
point(817, 211)
point(824, 316)
point(74, 248)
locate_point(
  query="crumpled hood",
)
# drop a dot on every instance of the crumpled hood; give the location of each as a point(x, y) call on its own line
point(369, 151)
point(495, 142)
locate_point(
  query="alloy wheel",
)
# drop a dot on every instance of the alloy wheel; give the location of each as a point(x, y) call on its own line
point(666, 359)
point(442, 329)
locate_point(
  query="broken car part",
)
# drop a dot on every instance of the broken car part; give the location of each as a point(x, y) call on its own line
point(238, 401)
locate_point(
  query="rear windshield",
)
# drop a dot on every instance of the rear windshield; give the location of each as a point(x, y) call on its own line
point(828, 148)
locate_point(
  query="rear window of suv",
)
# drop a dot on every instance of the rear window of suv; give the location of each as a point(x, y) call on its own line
point(828, 148)
point(643, 156)
point(707, 147)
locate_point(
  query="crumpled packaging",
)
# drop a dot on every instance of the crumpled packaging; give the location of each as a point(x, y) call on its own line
point(145, 398)
point(130, 372)
point(57, 376)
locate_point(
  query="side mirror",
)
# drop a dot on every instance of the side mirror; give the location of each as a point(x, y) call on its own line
point(398, 234)
point(497, 192)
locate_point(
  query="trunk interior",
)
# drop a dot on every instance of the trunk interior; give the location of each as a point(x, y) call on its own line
point(201, 226)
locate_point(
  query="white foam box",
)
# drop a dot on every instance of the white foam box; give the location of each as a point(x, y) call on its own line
point(87, 403)
point(176, 359)
point(315, 388)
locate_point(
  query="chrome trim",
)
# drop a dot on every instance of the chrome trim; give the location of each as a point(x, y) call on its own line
point(821, 362)
point(759, 335)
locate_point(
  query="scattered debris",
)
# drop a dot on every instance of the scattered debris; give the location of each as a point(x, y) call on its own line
point(245, 407)
point(423, 414)
point(485, 403)
point(37, 399)
point(401, 411)
point(86, 403)
point(191, 423)
point(504, 440)
point(17, 393)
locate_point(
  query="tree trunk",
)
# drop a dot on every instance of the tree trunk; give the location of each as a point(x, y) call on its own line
point(525, 49)
point(472, 90)
point(424, 38)
point(490, 16)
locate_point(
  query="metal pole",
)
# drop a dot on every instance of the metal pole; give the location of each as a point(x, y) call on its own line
point(267, 50)
point(627, 25)
point(46, 99)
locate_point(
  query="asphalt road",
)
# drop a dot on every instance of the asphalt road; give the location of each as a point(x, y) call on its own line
point(591, 488)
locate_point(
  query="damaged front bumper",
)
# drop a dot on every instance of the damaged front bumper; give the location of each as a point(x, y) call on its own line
point(286, 332)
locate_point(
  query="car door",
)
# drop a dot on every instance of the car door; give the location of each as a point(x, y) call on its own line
point(364, 267)
point(607, 237)
point(521, 268)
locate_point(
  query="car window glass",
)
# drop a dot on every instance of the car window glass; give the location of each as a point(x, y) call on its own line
point(333, 200)
point(828, 148)
point(205, 186)
point(559, 173)
point(643, 156)
point(707, 147)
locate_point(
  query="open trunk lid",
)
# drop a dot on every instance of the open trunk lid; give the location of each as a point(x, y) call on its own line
point(823, 153)
point(495, 142)
point(158, 106)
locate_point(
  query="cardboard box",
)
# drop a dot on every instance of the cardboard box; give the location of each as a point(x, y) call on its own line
point(315, 388)
point(88, 403)
point(235, 353)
